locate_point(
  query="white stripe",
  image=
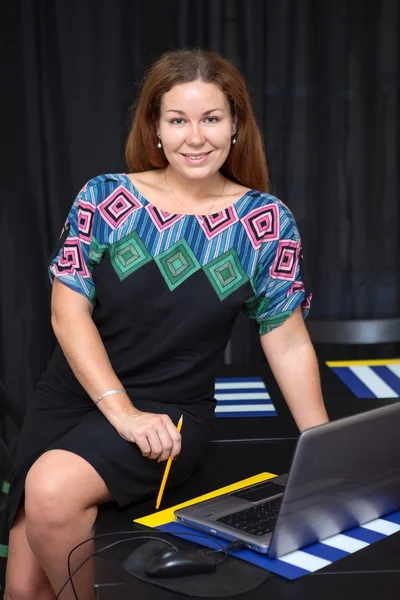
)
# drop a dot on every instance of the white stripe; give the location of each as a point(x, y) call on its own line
point(305, 561)
point(382, 526)
point(245, 408)
point(249, 385)
point(344, 542)
point(242, 396)
point(395, 369)
point(373, 382)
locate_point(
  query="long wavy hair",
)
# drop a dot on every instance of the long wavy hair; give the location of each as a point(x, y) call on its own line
point(246, 163)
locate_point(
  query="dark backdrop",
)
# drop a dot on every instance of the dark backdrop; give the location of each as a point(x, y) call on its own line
point(324, 79)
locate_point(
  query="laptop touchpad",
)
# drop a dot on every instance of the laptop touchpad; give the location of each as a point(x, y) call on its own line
point(262, 491)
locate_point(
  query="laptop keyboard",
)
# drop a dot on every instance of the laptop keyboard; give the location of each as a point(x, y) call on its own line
point(256, 520)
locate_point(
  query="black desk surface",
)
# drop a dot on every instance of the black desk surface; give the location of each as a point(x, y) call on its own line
point(245, 447)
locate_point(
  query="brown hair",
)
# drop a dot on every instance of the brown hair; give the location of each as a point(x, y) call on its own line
point(246, 163)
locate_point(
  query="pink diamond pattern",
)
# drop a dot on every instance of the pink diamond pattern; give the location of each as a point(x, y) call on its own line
point(71, 260)
point(117, 207)
point(161, 219)
point(286, 260)
point(86, 212)
point(297, 286)
point(213, 225)
point(306, 304)
point(262, 225)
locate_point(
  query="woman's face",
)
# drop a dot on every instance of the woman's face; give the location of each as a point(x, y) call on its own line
point(195, 128)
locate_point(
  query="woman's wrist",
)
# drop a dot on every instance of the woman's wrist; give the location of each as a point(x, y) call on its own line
point(117, 407)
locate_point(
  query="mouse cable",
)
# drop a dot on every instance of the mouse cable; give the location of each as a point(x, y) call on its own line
point(223, 549)
point(71, 575)
point(232, 547)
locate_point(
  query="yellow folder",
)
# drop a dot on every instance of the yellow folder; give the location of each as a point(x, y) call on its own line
point(167, 516)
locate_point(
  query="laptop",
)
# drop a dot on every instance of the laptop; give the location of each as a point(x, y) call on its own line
point(343, 474)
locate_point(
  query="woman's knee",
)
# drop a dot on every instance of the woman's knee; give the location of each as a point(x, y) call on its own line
point(60, 485)
point(44, 495)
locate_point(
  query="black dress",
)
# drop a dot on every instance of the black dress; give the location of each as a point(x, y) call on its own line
point(166, 290)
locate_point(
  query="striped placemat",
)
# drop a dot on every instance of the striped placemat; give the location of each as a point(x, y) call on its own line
point(369, 378)
point(311, 558)
point(243, 397)
point(295, 564)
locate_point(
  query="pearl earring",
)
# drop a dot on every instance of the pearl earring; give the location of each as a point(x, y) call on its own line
point(159, 145)
point(234, 140)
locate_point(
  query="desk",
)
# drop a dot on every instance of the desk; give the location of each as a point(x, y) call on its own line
point(313, 587)
point(368, 573)
point(245, 447)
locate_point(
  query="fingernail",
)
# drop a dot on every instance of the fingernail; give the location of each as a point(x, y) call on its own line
point(175, 457)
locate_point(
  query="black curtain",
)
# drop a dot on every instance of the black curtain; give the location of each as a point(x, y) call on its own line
point(324, 80)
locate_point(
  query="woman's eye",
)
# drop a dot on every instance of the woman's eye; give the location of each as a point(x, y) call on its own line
point(212, 119)
point(177, 121)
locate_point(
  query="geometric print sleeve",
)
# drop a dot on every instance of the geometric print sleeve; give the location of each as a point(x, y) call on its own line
point(277, 284)
point(81, 246)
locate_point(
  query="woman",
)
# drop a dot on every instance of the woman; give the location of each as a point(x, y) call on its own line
point(150, 273)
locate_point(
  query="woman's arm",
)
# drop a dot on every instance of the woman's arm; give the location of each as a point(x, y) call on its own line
point(156, 435)
point(291, 356)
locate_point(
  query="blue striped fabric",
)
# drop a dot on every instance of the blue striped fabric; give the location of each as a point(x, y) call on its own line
point(311, 558)
point(358, 388)
point(242, 397)
point(370, 380)
point(389, 377)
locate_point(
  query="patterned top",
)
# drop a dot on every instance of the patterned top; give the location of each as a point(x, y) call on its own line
point(166, 288)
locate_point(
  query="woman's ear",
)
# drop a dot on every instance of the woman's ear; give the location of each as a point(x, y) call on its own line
point(235, 124)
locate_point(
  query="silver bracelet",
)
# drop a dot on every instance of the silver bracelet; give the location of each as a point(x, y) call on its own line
point(108, 394)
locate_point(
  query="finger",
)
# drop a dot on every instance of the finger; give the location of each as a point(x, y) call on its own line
point(166, 442)
point(175, 437)
point(142, 442)
point(155, 444)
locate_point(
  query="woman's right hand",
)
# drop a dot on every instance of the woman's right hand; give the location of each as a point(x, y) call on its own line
point(155, 434)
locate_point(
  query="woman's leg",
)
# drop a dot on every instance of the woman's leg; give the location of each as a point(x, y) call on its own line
point(62, 491)
point(25, 578)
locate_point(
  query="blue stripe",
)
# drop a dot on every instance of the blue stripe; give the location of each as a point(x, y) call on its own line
point(243, 403)
point(241, 391)
point(354, 383)
point(388, 377)
point(365, 535)
point(233, 415)
point(238, 379)
point(393, 518)
point(274, 565)
point(322, 550)
point(285, 569)
point(209, 540)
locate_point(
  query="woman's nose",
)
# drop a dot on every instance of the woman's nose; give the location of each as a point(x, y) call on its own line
point(195, 136)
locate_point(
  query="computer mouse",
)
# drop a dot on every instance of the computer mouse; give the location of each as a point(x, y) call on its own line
point(178, 563)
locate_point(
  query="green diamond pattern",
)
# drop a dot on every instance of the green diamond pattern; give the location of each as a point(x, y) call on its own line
point(177, 264)
point(255, 307)
point(273, 322)
point(97, 251)
point(128, 255)
point(226, 274)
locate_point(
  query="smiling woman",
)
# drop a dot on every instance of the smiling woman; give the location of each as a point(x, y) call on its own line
point(150, 273)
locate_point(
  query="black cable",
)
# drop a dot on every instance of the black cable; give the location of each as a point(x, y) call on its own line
point(106, 548)
point(224, 549)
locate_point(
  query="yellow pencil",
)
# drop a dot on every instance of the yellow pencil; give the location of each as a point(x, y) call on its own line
point(167, 468)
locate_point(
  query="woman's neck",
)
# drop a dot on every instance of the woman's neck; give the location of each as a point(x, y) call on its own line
point(199, 190)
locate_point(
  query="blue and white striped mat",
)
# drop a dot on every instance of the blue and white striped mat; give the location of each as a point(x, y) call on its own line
point(311, 558)
point(243, 397)
point(369, 378)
